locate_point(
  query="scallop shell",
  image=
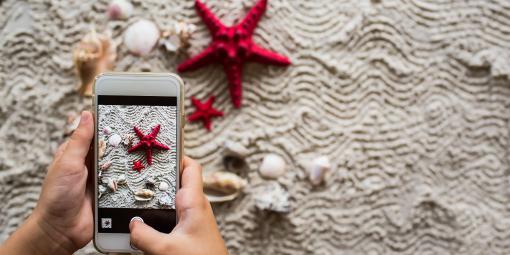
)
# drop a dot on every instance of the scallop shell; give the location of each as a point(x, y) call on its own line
point(119, 9)
point(141, 37)
point(272, 166)
point(101, 148)
point(121, 179)
point(222, 186)
point(112, 184)
point(105, 166)
point(114, 140)
point(163, 186)
point(319, 169)
point(272, 197)
point(144, 195)
point(94, 54)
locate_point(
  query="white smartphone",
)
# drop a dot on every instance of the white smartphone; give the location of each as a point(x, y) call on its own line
point(138, 149)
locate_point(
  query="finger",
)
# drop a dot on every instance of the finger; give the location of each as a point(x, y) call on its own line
point(191, 177)
point(145, 238)
point(60, 150)
point(79, 143)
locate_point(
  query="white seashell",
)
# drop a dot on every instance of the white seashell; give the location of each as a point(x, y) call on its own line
point(172, 43)
point(112, 184)
point(105, 166)
point(105, 180)
point(150, 182)
point(163, 186)
point(272, 166)
point(166, 201)
point(107, 130)
point(101, 190)
point(144, 195)
point(119, 9)
point(101, 146)
point(235, 149)
point(141, 37)
point(319, 169)
point(272, 197)
point(121, 179)
point(177, 37)
point(114, 140)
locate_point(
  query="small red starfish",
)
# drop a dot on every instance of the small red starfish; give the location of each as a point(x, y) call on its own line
point(137, 166)
point(233, 46)
point(204, 111)
point(148, 142)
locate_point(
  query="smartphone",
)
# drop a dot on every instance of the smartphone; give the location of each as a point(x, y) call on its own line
point(138, 149)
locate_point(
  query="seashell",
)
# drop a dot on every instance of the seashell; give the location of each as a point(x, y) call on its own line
point(101, 148)
point(105, 180)
point(112, 184)
point(105, 166)
point(272, 197)
point(73, 120)
point(163, 186)
point(235, 149)
point(121, 179)
point(141, 37)
point(119, 9)
point(127, 139)
point(94, 54)
point(144, 195)
point(222, 186)
point(101, 190)
point(177, 37)
point(114, 140)
point(107, 130)
point(150, 182)
point(319, 169)
point(166, 201)
point(272, 166)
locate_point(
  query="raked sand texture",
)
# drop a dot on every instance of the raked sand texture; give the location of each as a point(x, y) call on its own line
point(410, 100)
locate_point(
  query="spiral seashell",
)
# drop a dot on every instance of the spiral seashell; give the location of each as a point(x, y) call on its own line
point(94, 54)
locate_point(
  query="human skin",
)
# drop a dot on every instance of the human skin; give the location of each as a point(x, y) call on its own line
point(62, 221)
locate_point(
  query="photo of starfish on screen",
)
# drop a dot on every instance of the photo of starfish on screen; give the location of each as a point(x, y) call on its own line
point(137, 156)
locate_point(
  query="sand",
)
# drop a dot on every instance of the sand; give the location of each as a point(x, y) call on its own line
point(410, 100)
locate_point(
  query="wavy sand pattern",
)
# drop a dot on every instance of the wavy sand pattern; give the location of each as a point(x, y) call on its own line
point(411, 100)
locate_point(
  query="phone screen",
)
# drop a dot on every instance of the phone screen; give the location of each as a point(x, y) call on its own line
point(137, 162)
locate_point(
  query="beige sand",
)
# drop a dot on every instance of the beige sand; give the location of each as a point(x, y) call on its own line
point(411, 100)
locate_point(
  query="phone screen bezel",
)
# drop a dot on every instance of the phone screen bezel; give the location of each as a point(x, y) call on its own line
point(133, 84)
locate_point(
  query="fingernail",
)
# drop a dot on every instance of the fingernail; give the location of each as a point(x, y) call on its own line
point(84, 117)
point(136, 218)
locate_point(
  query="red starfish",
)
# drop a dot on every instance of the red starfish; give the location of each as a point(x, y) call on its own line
point(137, 166)
point(148, 142)
point(233, 46)
point(204, 111)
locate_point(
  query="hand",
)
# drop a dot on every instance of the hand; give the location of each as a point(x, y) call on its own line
point(62, 221)
point(196, 231)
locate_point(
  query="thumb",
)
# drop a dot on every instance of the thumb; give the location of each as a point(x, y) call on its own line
point(146, 238)
point(79, 143)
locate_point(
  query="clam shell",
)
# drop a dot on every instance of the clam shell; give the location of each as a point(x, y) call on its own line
point(272, 166)
point(107, 130)
point(144, 195)
point(94, 54)
point(119, 9)
point(105, 166)
point(222, 186)
point(114, 140)
point(272, 197)
point(101, 148)
point(141, 37)
point(163, 186)
point(319, 169)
